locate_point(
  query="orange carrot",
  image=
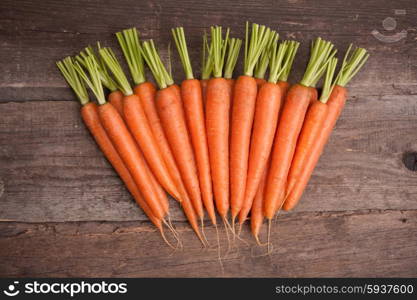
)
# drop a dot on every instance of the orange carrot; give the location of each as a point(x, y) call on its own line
point(171, 114)
point(217, 121)
point(194, 114)
point(257, 214)
point(90, 116)
point(292, 117)
point(304, 165)
point(123, 141)
point(268, 104)
point(137, 121)
point(243, 112)
point(217, 125)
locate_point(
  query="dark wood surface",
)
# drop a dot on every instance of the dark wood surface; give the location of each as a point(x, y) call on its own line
point(64, 211)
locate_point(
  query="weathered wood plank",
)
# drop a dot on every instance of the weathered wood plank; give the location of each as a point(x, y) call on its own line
point(34, 34)
point(356, 244)
point(51, 170)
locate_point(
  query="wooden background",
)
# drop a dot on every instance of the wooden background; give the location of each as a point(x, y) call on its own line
point(64, 212)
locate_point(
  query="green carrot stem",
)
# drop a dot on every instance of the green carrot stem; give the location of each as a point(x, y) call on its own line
point(66, 66)
point(263, 62)
point(113, 64)
point(93, 80)
point(232, 56)
point(181, 43)
point(321, 52)
point(106, 78)
point(259, 38)
point(328, 83)
point(218, 48)
point(207, 59)
point(351, 65)
point(289, 60)
point(277, 55)
point(154, 62)
point(129, 42)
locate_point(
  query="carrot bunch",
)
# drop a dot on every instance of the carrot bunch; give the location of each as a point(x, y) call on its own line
point(248, 146)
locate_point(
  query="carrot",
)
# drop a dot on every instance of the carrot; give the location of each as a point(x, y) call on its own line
point(122, 139)
point(292, 117)
point(138, 125)
point(243, 112)
point(90, 116)
point(300, 173)
point(115, 97)
point(129, 42)
point(257, 214)
point(194, 115)
point(171, 114)
point(268, 104)
point(217, 122)
point(312, 127)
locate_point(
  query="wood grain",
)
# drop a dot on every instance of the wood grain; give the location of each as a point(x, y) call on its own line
point(362, 244)
point(64, 211)
point(35, 34)
point(53, 171)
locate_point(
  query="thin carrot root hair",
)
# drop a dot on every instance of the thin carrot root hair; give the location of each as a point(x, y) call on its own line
point(204, 234)
point(269, 245)
point(219, 254)
point(175, 248)
point(238, 235)
point(175, 231)
point(233, 228)
point(226, 224)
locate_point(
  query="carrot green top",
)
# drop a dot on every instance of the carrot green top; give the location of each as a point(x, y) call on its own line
point(218, 49)
point(351, 65)
point(152, 58)
point(129, 42)
point(113, 64)
point(321, 52)
point(66, 66)
point(93, 80)
point(263, 62)
point(328, 83)
point(276, 60)
point(232, 55)
point(254, 46)
point(106, 78)
point(289, 59)
point(207, 59)
point(181, 43)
